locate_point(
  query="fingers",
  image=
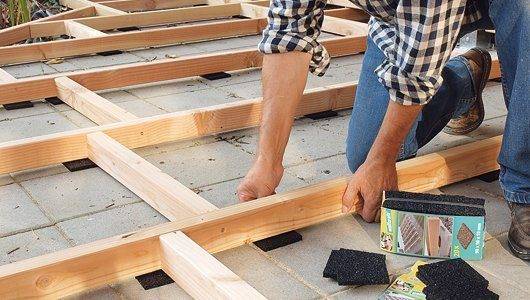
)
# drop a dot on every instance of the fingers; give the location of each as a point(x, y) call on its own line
point(371, 208)
point(245, 193)
point(351, 198)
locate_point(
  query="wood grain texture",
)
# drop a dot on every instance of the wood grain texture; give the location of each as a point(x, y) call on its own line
point(200, 274)
point(164, 69)
point(66, 146)
point(166, 195)
point(144, 5)
point(78, 30)
point(101, 10)
point(91, 105)
point(102, 262)
point(128, 40)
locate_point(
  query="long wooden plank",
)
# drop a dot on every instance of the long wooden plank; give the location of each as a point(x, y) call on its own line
point(78, 30)
point(60, 147)
point(22, 32)
point(164, 69)
point(143, 5)
point(101, 10)
point(82, 267)
point(200, 274)
point(166, 195)
point(90, 104)
point(128, 40)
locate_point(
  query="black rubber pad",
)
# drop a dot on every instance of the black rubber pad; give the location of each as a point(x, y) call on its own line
point(278, 241)
point(430, 197)
point(216, 76)
point(352, 267)
point(490, 176)
point(18, 105)
point(434, 208)
point(154, 279)
point(453, 279)
point(79, 164)
point(126, 29)
point(109, 53)
point(322, 115)
point(54, 100)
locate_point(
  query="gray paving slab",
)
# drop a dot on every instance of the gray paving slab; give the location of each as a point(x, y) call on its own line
point(167, 88)
point(489, 128)
point(34, 126)
point(346, 60)
point(78, 119)
point(491, 188)
point(5, 179)
point(167, 52)
point(361, 292)
point(443, 141)
point(195, 99)
point(72, 194)
point(141, 108)
point(30, 244)
point(270, 280)
point(111, 222)
point(65, 66)
point(500, 263)
point(229, 43)
point(172, 146)
point(118, 96)
point(30, 69)
point(494, 100)
point(96, 61)
point(131, 289)
point(38, 108)
point(308, 257)
point(340, 74)
point(497, 211)
point(39, 172)
point(306, 143)
point(338, 125)
point(225, 193)
point(238, 76)
point(18, 212)
point(203, 165)
point(102, 293)
point(246, 90)
point(322, 169)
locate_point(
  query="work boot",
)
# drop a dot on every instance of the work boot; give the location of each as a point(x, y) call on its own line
point(480, 65)
point(519, 234)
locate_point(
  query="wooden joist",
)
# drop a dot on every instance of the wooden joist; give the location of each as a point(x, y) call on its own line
point(71, 145)
point(101, 10)
point(78, 30)
point(166, 195)
point(79, 268)
point(144, 5)
point(160, 70)
point(198, 273)
point(91, 105)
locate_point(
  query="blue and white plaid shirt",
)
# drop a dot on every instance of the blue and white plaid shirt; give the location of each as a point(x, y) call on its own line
point(416, 36)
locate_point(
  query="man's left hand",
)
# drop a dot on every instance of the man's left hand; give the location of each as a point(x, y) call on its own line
point(364, 191)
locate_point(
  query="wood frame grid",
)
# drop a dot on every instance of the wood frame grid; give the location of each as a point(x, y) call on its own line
point(196, 227)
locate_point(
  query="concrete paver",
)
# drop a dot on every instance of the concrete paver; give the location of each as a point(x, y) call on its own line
point(39, 172)
point(322, 169)
point(69, 195)
point(269, 279)
point(167, 88)
point(111, 222)
point(189, 100)
point(104, 293)
point(203, 165)
point(167, 52)
point(31, 243)
point(18, 211)
point(34, 126)
point(95, 61)
point(141, 108)
point(30, 69)
point(38, 108)
point(131, 289)
point(78, 119)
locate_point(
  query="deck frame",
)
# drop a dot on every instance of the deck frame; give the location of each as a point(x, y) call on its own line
point(196, 228)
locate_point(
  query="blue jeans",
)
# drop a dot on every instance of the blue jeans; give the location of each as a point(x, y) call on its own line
point(511, 20)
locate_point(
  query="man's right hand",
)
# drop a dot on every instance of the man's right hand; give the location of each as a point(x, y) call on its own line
point(261, 181)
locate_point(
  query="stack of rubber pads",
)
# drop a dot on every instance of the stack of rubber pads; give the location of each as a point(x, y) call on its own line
point(351, 267)
point(453, 279)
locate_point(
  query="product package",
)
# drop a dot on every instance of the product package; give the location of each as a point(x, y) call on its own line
point(406, 286)
point(434, 226)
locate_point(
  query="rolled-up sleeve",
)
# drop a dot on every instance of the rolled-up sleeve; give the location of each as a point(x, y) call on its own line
point(295, 26)
point(417, 45)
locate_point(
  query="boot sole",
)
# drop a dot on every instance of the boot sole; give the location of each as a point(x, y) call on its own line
point(518, 253)
point(486, 58)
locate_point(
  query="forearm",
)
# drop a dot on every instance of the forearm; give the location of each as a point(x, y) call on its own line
point(396, 125)
point(283, 77)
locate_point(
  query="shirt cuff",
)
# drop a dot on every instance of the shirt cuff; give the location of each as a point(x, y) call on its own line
point(282, 42)
point(406, 88)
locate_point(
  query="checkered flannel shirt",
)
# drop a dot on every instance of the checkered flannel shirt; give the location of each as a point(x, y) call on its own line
point(416, 36)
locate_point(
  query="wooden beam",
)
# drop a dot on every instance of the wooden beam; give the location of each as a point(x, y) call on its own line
point(159, 70)
point(90, 104)
point(66, 146)
point(166, 195)
point(128, 40)
point(78, 30)
point(102, 262)
point(330, 24)
point(22, 32)
point(101, 10)
point(200, 274)
point(144, 5)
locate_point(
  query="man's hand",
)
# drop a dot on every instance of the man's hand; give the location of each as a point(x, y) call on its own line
point(261, 181)
point(365, 189)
